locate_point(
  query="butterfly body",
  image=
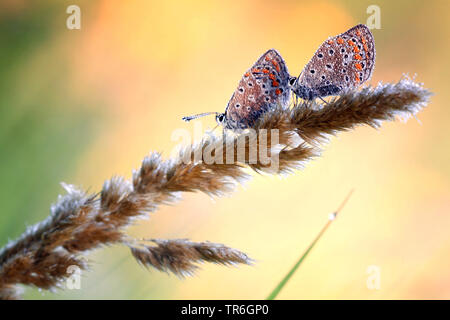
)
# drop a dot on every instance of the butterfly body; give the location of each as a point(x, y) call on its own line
point(341, 62)
point(308, 93)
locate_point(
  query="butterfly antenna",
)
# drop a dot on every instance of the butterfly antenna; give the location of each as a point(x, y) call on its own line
point(189, 118)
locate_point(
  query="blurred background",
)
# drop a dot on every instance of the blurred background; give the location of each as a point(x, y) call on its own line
point(82, 105)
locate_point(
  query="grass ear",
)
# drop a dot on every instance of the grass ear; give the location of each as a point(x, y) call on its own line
point(80, 222)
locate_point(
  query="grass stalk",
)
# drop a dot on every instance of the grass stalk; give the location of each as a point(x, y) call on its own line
point(291, 272)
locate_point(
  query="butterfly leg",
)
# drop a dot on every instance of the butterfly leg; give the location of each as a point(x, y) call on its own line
point(326, 103)
point(296, 100)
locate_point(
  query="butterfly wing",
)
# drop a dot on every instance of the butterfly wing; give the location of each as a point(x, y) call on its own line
point(344, 61)
point(272, 71)
point(263, 86)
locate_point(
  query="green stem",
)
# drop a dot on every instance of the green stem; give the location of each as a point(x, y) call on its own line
point(283, 282)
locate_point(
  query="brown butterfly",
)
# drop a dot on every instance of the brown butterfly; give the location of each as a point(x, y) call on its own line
point(341, 62)
point(261, 88)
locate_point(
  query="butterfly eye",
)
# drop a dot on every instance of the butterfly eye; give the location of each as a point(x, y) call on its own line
point(220, 118)
point(292, 80)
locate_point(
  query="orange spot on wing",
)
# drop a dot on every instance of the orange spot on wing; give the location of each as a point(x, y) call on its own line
point(276, 65)
point(340, 40)
point(265, 71)
point(358, 57)
point(357, 79)
point(350, 42)
point(278, 92)
point(330, 41)
point(358, 66)
point(246, 74)
point(358, 33)
point(272, 76)
point(355, 49)
point(363, 40)
point(275, 84)
point(267, 58)
point(366, 48)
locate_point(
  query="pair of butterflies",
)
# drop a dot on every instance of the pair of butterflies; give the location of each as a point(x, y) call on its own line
point(342, 62)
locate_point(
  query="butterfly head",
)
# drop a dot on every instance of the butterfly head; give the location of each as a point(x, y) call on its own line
point(220, 118)
point(292, 81)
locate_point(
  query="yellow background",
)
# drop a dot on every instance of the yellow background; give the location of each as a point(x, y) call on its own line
point(82, 105)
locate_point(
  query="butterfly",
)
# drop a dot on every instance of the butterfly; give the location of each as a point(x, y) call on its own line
point(264, 86)
point(341, 62)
